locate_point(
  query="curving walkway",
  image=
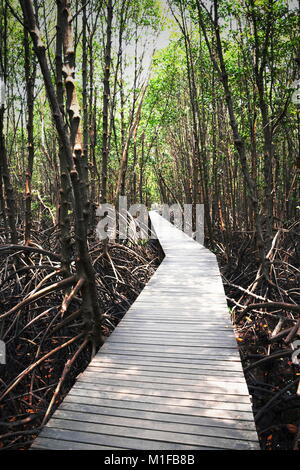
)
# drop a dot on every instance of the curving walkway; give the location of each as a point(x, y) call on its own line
point(169, 377)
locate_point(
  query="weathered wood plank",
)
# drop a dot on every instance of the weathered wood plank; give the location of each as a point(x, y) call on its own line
point(115, 442)
point(179, 350)
point(132, 360)
point(82, 389)
point(189, 372)
point(155, 425)
point(143, 376)
point(221, 426)
point(226, 343)
point(184, 334)
point(175, 356)
point(151, 434)
point(166, 390)
point(176, 326)
point(81, 398)
point(47, 443)
point(182, 365)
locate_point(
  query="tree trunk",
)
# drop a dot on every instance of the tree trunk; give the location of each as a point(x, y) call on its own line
point(9, 195)
point(30, 72)
point(106, 99)
point(72, 151)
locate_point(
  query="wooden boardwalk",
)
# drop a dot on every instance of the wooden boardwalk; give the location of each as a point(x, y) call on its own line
point(169, 377)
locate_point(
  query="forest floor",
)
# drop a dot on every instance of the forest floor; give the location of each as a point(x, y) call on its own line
point(266, 334)
point(45, 348)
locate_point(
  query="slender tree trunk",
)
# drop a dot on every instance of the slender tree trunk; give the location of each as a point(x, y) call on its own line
point(30, 72)
point(260, 64)
point(120, 188)
point(85, 95)
point(72, 151)
point(8, 188)
point(106, 99)
point(65, 183)
point(200, 154)
point(4, 166)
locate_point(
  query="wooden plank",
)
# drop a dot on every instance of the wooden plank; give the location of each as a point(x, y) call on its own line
point(174, 339)
point(199, 382)
point(192, 392)
point(150, 337)
point(46, 443)
point(179, 350)
point(150, 434)
point(148, 361)
point(157, 424)
point(201, 376)
point(82, 398)
point(201, 311)
point(199, 305)
point(83, 390)
point(174, 378)
point(157, 369)
point(225, 343)
point(189, 322)
point(132, 360)
point(177, 310)
point(175, 336)
point(166, 333)
point(206, 332)
point(115, 442)
point(218, 427)
point(158, 324)
point(175, 356)
point(143, 375)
